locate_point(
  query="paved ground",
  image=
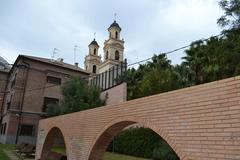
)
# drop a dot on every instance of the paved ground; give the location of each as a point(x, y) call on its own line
point(13, 156)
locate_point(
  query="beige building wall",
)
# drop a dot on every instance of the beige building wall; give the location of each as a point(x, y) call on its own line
point(115, 95)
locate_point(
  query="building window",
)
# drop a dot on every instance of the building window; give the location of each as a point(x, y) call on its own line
point(8, 105)
point(27, 130)
point(54, 80)
point(116, 35)
point(48, 101)
point(116, 55)
point(1, 131)
point(95, 51)
point(3, 128)
point(94, 68)
point(106, 55)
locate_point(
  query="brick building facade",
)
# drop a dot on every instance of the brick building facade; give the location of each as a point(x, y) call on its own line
point(33, 83)
point(3, 83)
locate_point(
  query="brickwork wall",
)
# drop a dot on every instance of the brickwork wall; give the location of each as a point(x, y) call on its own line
point(3, 83)
point(36, 89)
point(199, 123)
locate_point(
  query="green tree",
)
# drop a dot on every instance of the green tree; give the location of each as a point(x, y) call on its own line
point(155, 76)
point(214, 59)
point(231, 17)
point(78, 96)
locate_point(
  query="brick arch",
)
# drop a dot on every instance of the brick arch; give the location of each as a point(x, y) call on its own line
point(49, 141)
point(114, 127)
point(197, 122)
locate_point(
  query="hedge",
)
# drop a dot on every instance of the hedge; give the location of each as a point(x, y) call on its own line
point(142, 142)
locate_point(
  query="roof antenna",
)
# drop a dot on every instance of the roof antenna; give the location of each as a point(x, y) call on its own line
point(115, 17)
point(75, 50)
point(54, 52)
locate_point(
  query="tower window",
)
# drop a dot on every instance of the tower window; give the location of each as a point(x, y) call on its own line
point(116, 55)
point(116, 35)
point(106, 55)
point(94, 68)
point(95, 51)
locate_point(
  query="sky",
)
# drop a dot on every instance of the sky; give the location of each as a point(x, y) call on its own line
point(36, 27)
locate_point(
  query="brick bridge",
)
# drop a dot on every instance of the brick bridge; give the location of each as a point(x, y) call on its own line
point(199, 123)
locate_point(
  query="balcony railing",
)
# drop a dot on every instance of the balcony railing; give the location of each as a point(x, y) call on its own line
point(110, 78)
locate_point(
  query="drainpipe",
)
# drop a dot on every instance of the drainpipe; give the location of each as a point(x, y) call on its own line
point(4, 96)
point(26, 66)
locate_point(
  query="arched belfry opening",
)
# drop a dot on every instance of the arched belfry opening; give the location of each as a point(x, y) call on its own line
point(95, 51)
point(94, 69)
point(106, 57)
point(117, 55)
point(54, 145)
point(132, 139)
point(116, 35)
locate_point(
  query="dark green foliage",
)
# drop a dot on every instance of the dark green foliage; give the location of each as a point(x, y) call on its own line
point(164, 152)
point(214, 59)
point(154, 77)
point(205, 61)
point(53, 110)
point(78, 96)
point(231, 17)
point(141, 142)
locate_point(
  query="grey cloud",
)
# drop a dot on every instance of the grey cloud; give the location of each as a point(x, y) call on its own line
point(149, 26)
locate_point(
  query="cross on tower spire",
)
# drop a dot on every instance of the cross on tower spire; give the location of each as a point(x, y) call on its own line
point(115, 17)
point(94, 35)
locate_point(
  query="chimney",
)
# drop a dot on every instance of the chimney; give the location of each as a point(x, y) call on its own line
point(76, 64)
point(60, 60)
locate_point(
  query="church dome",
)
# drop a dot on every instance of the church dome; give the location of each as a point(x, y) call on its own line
point(94, 42)
point(4, 64)
point(115, 24)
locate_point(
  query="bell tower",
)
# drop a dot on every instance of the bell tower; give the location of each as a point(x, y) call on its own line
point(113, 47)
point(92, 60)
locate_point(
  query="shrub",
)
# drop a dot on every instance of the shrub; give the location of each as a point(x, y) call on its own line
point(142, 142)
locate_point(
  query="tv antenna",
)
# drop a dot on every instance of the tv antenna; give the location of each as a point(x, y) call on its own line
point(75, 50)
point(54, 52)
